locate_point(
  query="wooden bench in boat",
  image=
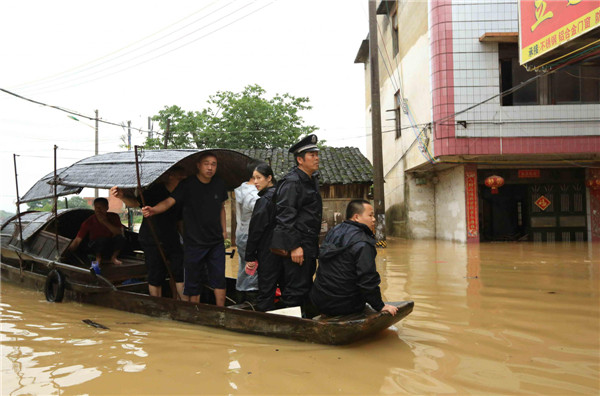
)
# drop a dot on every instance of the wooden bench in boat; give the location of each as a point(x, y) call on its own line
point(45, 245)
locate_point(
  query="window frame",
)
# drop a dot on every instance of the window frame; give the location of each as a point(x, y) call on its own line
point(398, 113)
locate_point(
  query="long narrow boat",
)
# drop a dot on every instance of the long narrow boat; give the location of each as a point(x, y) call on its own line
point(34, 253)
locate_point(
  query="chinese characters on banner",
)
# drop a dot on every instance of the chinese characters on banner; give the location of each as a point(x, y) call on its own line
point(547, 24)
point(471, 204)
point(529, 173)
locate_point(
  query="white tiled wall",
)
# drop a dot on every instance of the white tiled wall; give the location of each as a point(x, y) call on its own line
point(477, 78)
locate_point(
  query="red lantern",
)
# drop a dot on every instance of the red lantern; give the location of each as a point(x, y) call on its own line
point(593, 183)
point(494, 182)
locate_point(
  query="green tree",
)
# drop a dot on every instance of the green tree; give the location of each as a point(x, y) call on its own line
point(45, 205)
point(236, 120)
point(77, 202)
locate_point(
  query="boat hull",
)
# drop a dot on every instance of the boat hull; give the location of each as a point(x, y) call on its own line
point(333, 331)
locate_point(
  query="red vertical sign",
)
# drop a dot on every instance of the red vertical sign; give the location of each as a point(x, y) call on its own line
point(472, 206)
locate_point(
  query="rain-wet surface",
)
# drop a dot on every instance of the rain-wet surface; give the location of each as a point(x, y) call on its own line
point(502, 318)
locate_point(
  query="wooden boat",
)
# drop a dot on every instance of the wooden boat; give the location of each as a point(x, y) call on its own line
point(34, 253)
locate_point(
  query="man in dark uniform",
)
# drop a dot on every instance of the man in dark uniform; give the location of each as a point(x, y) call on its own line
point(298, 216)
point(347, 277)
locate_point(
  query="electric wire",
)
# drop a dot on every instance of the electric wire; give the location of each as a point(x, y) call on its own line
point(164, 53)
point(66, 110)
point(566, 55)
point(141, 55)
point(66, 72)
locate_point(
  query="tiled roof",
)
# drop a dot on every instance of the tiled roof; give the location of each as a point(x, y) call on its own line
point(339, 165)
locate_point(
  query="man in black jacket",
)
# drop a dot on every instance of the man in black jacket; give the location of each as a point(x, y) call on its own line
point(347, 277)
point(298, 213)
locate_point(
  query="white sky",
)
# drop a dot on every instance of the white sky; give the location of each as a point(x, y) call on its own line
point(84, 56)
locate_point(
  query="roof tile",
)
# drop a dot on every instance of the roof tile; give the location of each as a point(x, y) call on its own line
point(339, 165)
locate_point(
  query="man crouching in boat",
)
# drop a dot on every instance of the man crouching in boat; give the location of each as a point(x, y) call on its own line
point(201, 197)
point(105, 233)
point(347, 277)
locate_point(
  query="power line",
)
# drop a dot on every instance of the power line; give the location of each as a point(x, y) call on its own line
point(143, 54)
point(65, 110)
point(66, 72)
point(164, 53)
point(140, 129)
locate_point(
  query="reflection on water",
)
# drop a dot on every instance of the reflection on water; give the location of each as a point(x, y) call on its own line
point(490, 318)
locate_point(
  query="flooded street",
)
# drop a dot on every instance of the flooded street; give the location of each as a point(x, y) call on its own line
point(502, 318)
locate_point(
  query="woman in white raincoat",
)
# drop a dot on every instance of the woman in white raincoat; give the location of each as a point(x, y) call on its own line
point(246, 196)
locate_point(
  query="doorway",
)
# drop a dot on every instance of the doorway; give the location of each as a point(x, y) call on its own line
point(504, 216)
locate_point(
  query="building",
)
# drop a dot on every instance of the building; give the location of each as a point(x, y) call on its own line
point(458, 107)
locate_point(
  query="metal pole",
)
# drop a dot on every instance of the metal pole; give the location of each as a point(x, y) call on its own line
point(129, 211)
point(55, 206)
point(18, 202)
point(150, 134)
point(378, 180)
point(96, 148)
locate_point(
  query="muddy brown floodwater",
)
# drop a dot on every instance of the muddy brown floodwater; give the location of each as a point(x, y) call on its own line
point(489, 319)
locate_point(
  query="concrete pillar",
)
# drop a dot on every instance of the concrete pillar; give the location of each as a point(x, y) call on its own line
point(420, 205)
point(450, 208)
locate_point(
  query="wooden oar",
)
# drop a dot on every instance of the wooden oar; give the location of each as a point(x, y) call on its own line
point(153, 230)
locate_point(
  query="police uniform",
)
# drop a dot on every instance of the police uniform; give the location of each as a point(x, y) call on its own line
point(298, 214)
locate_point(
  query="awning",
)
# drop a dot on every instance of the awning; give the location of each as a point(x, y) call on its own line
point(118, 169)
point(499, 37)
point(42, 189)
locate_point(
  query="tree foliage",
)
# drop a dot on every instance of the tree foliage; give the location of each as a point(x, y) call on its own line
point(45, 205)
point(244, 119)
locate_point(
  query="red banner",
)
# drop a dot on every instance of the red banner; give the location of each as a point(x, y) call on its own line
point(472, 205)
point(529, 173)
point(547, 24)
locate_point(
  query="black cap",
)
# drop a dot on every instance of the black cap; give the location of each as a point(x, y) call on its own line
point(309, 143)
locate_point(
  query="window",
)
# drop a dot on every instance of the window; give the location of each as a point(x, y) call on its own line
point(398, 113)
point(513, 74)
point(576, 84)
point(573, 84)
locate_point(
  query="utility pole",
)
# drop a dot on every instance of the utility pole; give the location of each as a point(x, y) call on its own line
point(167, 133)
point(96, 148)
point(378, 180)
point(150, 134)
point(128, 135)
